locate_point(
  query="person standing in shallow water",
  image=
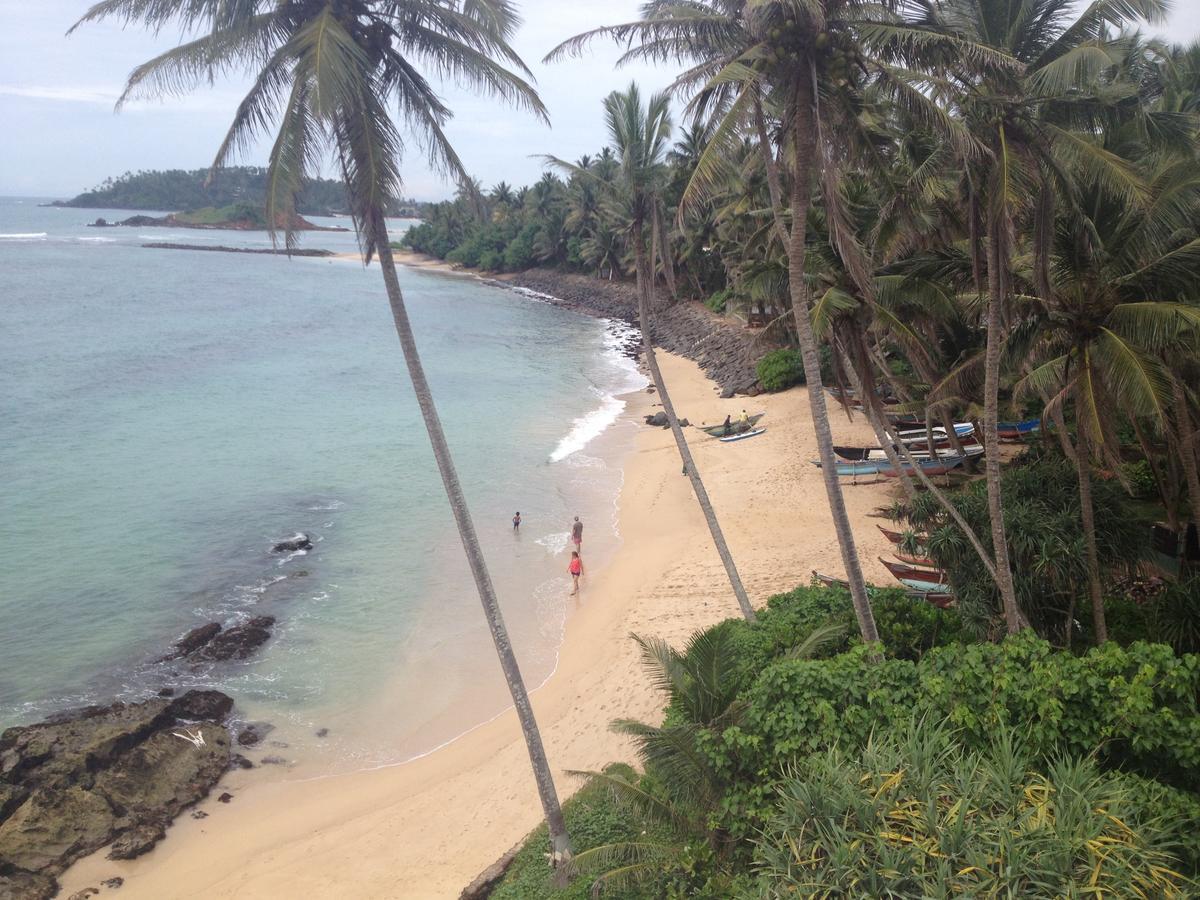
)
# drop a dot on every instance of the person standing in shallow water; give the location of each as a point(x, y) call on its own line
point(517, 522)
point(576, 569)
point(577, 534)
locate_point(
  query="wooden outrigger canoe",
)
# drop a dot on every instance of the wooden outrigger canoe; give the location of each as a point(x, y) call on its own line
point(735, 427)
point(1015, 431)
point(919, 579)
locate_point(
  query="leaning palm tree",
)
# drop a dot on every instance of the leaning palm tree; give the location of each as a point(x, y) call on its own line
point(330, 73)
point(640, 136)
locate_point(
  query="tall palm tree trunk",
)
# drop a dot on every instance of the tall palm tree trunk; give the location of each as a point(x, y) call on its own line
point(560, 842)
point(1187, 448)
point(804, 143)
point(991, 415)
point(1087, 513)
point(644, 287)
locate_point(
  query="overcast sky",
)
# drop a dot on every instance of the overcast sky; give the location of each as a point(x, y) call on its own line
point(60, 135)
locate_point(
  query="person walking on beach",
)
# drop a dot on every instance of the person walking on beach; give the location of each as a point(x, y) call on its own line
point(517, 522)
point(576, 569)
point(577, 534)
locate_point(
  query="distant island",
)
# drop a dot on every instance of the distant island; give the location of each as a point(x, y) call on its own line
point(178, 189)
point(235, 217)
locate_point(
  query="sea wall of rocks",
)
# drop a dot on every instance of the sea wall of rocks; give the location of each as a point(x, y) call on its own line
point(727, 351)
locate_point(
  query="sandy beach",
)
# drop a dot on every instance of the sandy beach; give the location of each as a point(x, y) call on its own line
point(426, 828)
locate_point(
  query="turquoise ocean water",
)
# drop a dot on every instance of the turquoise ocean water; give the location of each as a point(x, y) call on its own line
point(166, 415)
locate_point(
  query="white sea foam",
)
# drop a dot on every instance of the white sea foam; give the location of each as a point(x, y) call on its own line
point(554, 543)
point(98, 240)
point(625, 379)
point(23, 236)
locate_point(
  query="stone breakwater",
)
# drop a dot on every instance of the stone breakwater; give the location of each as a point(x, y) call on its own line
point(726, 351)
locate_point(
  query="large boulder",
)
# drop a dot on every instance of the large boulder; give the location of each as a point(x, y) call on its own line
point(196, 705)
point(237, 642)
point(298, 541)
point(195, 639)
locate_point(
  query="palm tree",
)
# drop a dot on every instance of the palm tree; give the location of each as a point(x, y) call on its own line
point(1102, 326)
point(328, 72)
point(640, 135)
point(737, 50)
point(1029, 104)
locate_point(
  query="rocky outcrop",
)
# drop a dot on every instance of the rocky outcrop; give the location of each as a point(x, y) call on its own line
point(298, 541)
point(117, 774)
point(726, 351)
point(237, 642)
point(181, 220)
point(195, 639)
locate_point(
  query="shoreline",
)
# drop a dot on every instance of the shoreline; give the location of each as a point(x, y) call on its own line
point(427, 827)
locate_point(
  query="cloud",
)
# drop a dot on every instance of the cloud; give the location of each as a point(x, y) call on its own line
point(104, 96)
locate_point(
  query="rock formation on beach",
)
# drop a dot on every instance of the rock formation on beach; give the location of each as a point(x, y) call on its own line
point(115, 774)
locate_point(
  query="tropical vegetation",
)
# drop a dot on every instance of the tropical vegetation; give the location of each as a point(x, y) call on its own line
point(179, 189)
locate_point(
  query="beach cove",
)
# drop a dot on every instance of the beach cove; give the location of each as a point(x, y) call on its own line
point(426, 828)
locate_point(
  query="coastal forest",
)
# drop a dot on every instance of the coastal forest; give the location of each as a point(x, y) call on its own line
point(947, 212)
point(185, 190)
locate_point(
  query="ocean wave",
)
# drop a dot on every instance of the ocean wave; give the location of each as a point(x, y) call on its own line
point(588, 427)
point(97, 240)
point(23, 236)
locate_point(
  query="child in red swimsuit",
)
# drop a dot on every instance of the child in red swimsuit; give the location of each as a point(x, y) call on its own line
point(576, 569)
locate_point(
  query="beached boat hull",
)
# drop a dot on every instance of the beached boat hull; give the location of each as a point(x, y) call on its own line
point(928, 466)
point(1015, 431)
point(934, 577)
point(719, 430)
point(743, 435)
point(860, 454)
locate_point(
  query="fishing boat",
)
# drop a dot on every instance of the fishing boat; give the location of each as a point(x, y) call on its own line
point(894, 536)
point(940, 466)
point(917, 578)
point(1015, 431)
point(735, 427)
point(742, 436)
point(908, 435)
point(939, 598)
point(855, 454)
point(856, 469)
point(913, 560)
point(910, 419)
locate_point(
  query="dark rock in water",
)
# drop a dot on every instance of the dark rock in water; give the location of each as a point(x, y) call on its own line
point(195, 705)
point(166, 692)
point(84, 894)
point(253, 733)
point(136, 841)
point(273, 761)
point(81, 780)
point(113, 883)
point(237, 642)
point(240, 762)
point(658, 420)
point(195, 639)
point(684, 423)
point(321, 732)
point(303, 573)
point(225, 797)
point(651, 389)
point(199, 814)
point(298, 541)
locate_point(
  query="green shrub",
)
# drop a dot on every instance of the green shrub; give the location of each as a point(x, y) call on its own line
point(1135, 708)
point(1141, 479)
point(780, 369)
point(717, 301)
point(594, 817)
point(915, 814)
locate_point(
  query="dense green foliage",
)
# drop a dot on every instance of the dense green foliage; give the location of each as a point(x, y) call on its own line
point(915, 814)
point(1008, 750)
point(780, 369)
point(177, 189)
point(1045, 538)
